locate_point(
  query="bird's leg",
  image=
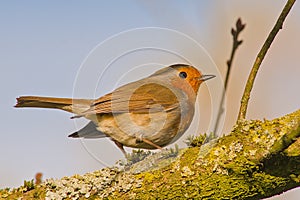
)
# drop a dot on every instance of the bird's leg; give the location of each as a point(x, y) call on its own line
point(141, 139)
point(120, 145)
point(151, 143)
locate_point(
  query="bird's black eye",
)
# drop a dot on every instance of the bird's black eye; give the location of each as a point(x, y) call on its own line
point(183, 75)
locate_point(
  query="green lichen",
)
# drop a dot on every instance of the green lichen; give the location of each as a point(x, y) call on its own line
point(27, 191)
point(136, 156)
point(195, 141)
point(256, 160)
point(293, 149)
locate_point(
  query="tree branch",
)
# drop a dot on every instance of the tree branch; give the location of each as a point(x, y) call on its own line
point(235, 44)
point(260, 57)
point(258, 159)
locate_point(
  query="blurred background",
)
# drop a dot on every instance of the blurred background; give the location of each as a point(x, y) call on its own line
point(86, 49)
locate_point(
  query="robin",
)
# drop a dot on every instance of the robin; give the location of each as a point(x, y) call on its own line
point(149, 113)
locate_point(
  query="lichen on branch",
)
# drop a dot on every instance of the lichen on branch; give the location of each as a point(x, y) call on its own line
point(257, 159)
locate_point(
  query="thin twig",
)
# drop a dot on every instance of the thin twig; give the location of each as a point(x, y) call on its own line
point(260, 57)
point(235, 44)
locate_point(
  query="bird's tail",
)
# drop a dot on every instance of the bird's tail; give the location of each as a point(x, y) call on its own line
point(70, 105)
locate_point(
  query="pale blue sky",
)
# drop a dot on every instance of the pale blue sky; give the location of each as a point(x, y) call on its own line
point(43, 45)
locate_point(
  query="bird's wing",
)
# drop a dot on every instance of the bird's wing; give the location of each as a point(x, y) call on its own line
point(88, 131)
point(147, 97)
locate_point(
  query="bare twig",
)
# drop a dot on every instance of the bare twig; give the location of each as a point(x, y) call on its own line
point(235, 44)
point(260, 57)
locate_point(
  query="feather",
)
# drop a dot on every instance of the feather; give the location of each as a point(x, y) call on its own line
point(88, 131)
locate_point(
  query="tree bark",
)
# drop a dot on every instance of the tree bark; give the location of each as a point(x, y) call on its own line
point(258, 159)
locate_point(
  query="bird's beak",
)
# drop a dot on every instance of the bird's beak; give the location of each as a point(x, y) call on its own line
point(206, 77)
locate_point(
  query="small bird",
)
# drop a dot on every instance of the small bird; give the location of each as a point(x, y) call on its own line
point(149, 113)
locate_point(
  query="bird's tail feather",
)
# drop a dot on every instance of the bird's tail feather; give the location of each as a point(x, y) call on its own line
point(67, 104)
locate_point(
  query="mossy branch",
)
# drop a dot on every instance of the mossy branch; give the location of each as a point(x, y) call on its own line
point(262, 53)
point(258, 159)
